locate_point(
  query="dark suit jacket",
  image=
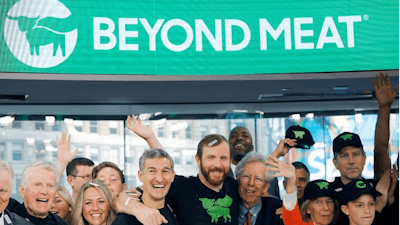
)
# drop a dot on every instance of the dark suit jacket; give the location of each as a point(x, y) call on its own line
point(15, 219)
point(267, 215)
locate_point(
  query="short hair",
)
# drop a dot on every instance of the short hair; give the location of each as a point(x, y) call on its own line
point(306, 205)
point(154, 153)
point(337, 153)
point(6, 167)
point(67, 197)
point(251, 137)
point(300, 165)
point(38, 164)
point(212, 140)
point(249, 158)
point(72, 166)
point(96, 170)
point(77, 217)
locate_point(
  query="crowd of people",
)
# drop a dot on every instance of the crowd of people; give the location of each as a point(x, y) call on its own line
point(234, 185)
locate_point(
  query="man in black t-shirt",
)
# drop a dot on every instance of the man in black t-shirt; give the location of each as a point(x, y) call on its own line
point(209, 198)
point(156, 172)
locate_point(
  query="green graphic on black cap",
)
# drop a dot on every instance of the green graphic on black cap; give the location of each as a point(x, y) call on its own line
point(298, 134)
point(323, 185)
point(346, 137)
point(217, 208)
point(360, 184)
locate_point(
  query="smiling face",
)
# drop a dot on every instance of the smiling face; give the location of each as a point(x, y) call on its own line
point(95, 208)
point(5, 190)
point(39, 192)
point(321, 210)
point(350, 162)
point(157, 177)
point(252, 184)
point(240, 139)
point(112, 179)
point(60, 207)
point(214, 165)
point(361, 211)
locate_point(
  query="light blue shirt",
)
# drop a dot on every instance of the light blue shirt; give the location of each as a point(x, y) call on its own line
point(254, 213)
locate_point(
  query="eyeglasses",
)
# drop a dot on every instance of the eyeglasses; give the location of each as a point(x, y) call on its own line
point(85, 177)
point(257, 180)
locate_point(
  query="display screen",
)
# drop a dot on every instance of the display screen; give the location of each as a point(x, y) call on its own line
point(203, 37)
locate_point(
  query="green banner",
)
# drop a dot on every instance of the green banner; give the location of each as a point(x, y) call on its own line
point(203, 37)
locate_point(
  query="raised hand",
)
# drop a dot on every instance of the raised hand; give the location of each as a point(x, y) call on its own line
point(64, 155)
point(136, 126)
point(284, 147)
point(383, 90)
point(282, 169)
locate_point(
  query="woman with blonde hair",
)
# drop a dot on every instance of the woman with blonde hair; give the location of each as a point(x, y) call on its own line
point(63, 205)
point(93, 205)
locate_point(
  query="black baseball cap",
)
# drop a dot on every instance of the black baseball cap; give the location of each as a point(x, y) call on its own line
point(319, 188)
point(355, 189)
point(346, 139)
point(302, 135)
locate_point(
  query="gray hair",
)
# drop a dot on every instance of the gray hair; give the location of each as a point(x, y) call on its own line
point(6, 167)
point(38, 164)
point(249, 158)
point(154, 153)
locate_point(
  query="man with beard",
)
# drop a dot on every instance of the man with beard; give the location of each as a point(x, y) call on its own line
point(209, 198)
point(242, 143)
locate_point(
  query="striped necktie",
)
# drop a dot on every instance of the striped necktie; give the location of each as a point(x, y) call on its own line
point(248, 219)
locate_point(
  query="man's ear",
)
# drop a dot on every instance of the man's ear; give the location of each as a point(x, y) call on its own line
point(197, 160)
point(71, 181)
point(123, 187)
point(21, 191)
point(265, 189)
point(140, 175)
point(173, 176)
point(334, 163)
point(345, 209)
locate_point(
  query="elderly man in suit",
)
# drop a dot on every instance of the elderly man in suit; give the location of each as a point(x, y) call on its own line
point(254, 179)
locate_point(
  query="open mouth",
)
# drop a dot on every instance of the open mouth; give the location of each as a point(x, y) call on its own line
point(159, 186)
point(239, 146)
point(96, 215)
point(55, 213)
point(42, 200)
point(250, 192)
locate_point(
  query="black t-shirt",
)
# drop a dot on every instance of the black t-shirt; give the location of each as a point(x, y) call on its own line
point(125, 219)
point(51, 219)
point(194, 203)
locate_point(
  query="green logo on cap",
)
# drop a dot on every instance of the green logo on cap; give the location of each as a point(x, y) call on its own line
point(360, 184)
point(346, 137)
point(298, 134)
point(323, 185)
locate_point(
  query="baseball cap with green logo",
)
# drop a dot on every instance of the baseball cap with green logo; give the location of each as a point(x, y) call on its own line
point(346, 139)
point(319, 188)
point(302, 135)
point(355, 189)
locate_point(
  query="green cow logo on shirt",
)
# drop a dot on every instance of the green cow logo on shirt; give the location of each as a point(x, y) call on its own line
point(217, 208)
point(298, 134)
point(346, 137)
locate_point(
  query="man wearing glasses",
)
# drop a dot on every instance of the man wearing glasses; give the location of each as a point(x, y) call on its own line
point(79, 170)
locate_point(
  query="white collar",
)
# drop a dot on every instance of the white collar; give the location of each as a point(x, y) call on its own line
point(2, 218)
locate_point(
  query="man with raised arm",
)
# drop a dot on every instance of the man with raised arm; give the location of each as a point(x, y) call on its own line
point(209, 198)
point(156, 172)
point(242, 143)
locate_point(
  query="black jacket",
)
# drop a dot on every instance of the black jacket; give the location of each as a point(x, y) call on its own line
point(13, 219)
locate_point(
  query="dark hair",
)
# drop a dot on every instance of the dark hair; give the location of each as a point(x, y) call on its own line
point(212, 140)
point(300, 165)
point(106, 164)
point(71, 167)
